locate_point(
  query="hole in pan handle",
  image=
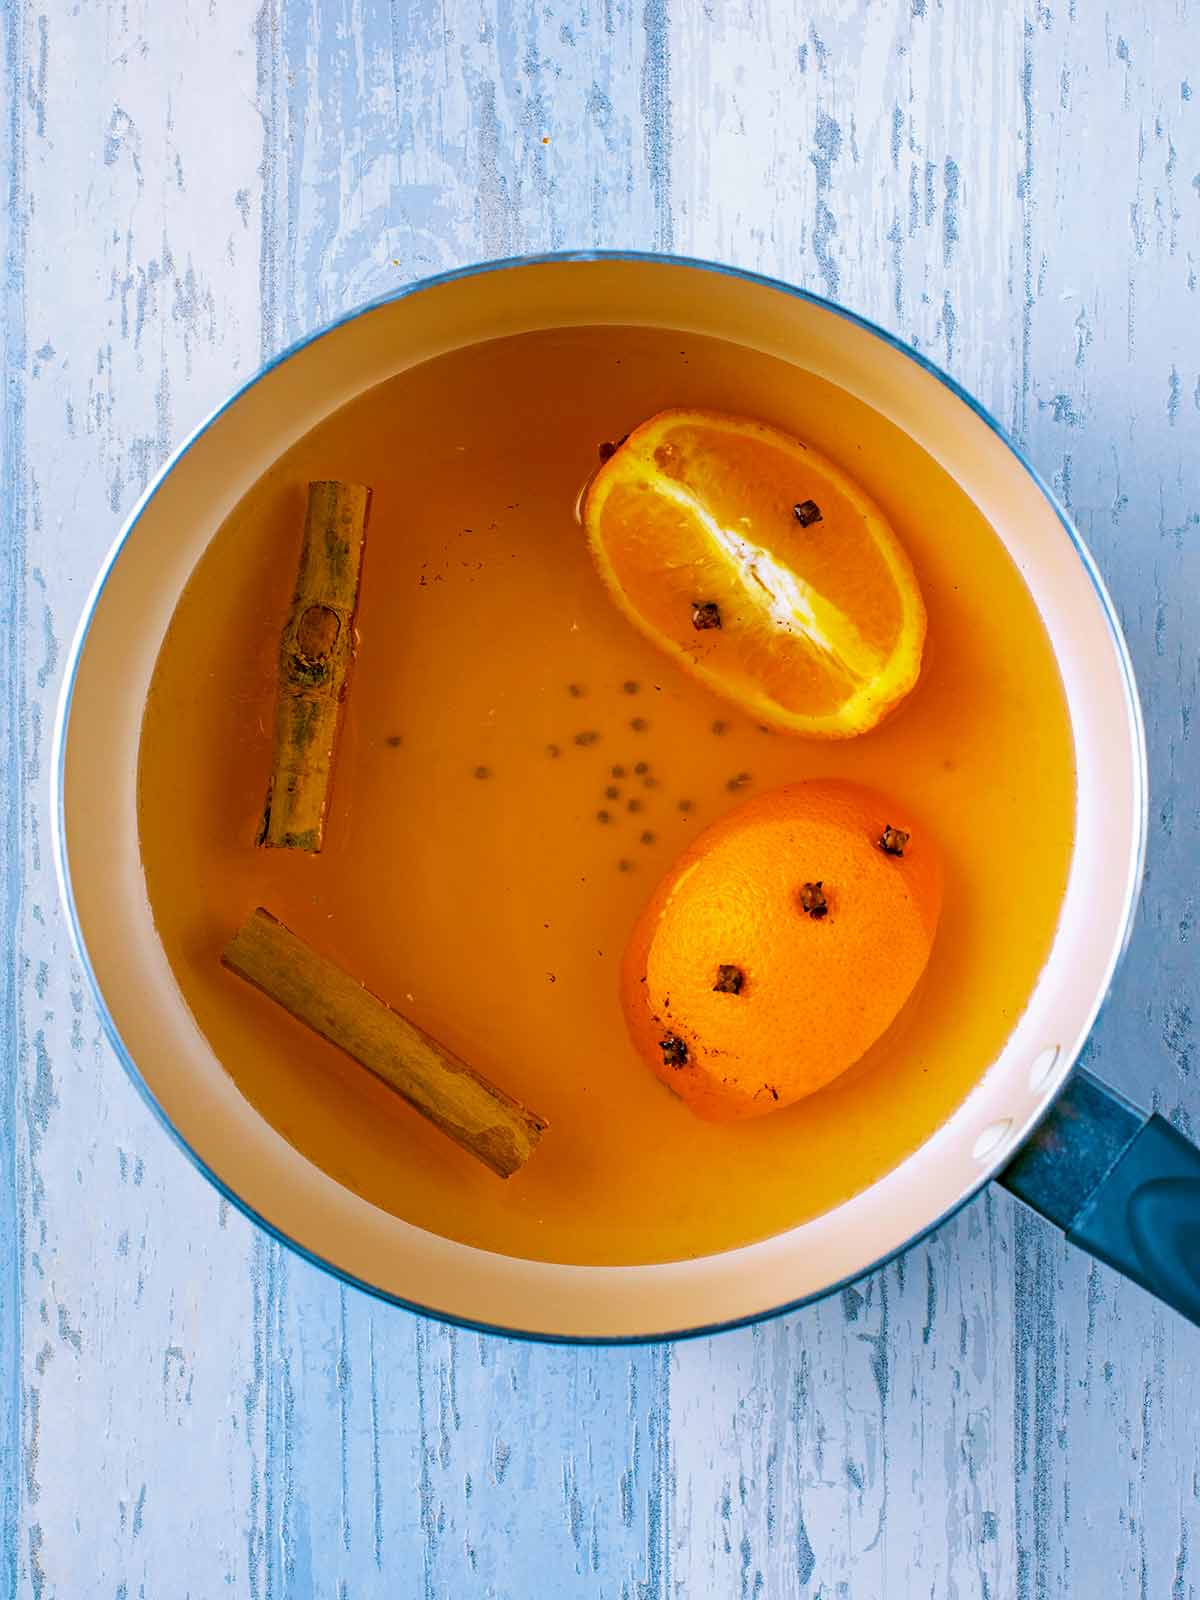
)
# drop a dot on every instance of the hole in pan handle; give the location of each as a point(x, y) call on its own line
point(1120, 1184)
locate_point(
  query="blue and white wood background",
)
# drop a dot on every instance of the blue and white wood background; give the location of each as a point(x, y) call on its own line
point(185, 1409)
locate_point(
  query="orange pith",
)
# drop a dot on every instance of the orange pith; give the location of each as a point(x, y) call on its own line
point(821, 623)
point(735, 993)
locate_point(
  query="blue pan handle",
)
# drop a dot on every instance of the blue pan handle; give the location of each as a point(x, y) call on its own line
point(1123, 1185)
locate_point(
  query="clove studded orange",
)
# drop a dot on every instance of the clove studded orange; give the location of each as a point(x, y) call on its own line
point(762, 567)
point(780, 946)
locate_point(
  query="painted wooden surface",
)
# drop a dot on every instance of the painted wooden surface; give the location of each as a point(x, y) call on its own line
point(187, 1410)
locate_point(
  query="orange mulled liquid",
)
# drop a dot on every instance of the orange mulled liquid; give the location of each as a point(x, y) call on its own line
point(518, 767)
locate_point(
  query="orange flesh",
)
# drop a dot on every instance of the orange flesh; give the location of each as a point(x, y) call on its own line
point(460, 898)
point(822, 624)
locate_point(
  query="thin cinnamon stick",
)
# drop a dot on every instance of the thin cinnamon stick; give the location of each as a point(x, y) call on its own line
point(315, 655)
point(484, 1120)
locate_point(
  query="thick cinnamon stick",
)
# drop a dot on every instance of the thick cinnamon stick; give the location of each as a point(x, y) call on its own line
point(315, 655)
point(490, 1124)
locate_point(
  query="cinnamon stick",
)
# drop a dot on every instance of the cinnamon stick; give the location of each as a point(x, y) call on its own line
point(315, 655)
point(484, 1120)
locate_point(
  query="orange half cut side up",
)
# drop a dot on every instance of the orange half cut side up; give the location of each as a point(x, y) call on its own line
point(758, 564)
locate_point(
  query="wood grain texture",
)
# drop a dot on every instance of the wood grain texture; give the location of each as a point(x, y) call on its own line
point(185, 1409)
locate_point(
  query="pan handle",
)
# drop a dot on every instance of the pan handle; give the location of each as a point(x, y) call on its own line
point(1123, 1185)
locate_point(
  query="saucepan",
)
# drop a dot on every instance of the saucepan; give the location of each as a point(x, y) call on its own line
point(1123, 1185)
